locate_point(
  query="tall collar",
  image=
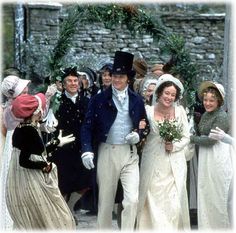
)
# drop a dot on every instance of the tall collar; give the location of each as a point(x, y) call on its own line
point(69, 96)
point(120, 95)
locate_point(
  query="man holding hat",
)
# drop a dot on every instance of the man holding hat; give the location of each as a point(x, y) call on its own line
point(111, 130)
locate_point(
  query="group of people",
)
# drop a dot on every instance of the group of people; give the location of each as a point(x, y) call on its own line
point(93, 145)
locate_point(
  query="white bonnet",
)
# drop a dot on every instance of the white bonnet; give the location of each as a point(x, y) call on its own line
point(148, 82)
point(12, 86)
point(168, 77)
point(87, 77)
point(165, 78)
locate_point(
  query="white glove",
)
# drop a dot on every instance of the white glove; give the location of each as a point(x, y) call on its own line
point(87, 159)
point(191, 125)
point(132, 138)
point(217, 134)
point(51, 90)
point(51, 121)
point(220, 135)
point(46, 129)
point(65, 140)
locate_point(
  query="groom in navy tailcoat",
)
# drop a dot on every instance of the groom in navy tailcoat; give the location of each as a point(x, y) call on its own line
point(111, 131)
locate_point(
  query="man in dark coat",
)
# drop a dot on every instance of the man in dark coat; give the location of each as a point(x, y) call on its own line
point(111, 127)
point(72, 175)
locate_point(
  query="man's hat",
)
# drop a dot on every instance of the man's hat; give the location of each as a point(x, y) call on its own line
point(69, 71)
point(123, 63)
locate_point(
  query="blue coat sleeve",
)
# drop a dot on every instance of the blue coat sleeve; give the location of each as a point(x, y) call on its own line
point(87, 127)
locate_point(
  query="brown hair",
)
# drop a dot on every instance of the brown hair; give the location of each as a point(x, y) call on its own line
point(160, 89)
point(215, 93)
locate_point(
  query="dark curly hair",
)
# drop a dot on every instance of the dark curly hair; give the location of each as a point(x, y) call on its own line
point(160, 89)
point(107, 67)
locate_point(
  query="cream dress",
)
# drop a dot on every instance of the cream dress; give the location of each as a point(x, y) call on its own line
point(215, 180)
point(33, 198)
point(10, 122)
point(215, 175)
point(6, 222)
point(163, 201)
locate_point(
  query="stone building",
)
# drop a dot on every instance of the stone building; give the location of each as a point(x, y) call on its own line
point(41, 24)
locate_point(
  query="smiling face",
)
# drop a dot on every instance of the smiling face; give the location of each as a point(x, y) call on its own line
point(210, 102)
point(71, 84)
point(119, 81)
point(106, 78)
point(168, 96)
point(212, 99)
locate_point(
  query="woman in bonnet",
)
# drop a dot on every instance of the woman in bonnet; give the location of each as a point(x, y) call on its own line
point(33, 198)
point(11, 87)
point(215, 167)
point(163, 200)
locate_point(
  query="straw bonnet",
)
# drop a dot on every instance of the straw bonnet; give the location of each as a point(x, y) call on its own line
point(206, 84)
point(140, 66)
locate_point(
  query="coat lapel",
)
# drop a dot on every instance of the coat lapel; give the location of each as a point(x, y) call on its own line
point(132, 100)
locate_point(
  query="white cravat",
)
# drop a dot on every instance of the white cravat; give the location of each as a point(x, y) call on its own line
point(73, 98)
point(120, 95)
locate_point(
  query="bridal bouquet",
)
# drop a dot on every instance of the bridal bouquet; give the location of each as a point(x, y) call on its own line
point(170, 130)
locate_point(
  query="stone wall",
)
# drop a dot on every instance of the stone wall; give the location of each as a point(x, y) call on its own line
point(204, 35)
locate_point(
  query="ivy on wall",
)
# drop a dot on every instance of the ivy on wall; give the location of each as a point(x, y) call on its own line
point(133, 16)
point(111, 15)
point(67, 31)
point(137, 21)
point(181, 66)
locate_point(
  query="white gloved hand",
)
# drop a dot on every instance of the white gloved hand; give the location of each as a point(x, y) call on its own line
point(87, 159)
point(65, 140)
point(217, 134)
point(51, 90)
point(220, 135)
point(46, 129)
point(51, 121)
point(191, 126)
point(132, 138)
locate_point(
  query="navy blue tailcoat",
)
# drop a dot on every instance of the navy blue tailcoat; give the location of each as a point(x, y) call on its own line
point(101, 114)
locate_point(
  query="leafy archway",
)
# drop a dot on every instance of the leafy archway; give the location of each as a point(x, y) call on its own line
point(111, 15)
point(137, 21)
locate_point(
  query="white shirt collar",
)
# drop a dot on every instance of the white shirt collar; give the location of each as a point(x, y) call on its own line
point(73, 98)
point(120, 95)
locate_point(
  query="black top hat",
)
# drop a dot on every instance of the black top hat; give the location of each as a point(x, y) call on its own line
point(69, 71)
point(123, 63)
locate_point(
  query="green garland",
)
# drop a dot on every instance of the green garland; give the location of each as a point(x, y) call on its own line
point(67, 31)
point(182, 67)
point(111, 15)
point(133, 16)
point(136, 20)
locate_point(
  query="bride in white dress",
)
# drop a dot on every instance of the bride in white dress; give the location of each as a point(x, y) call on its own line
point(163, 201)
